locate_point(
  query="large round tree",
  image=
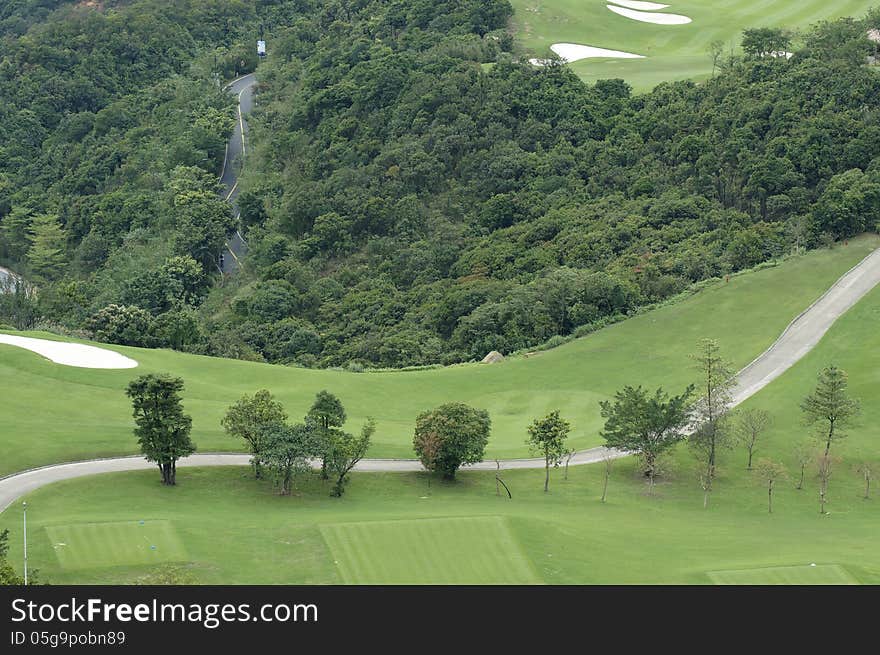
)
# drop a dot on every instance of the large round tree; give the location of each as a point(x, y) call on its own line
point(451, 435)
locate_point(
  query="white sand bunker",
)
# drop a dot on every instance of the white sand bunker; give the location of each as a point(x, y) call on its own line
point(645, 17)
point(570, 52)
point(636, 4)
point(70, 354)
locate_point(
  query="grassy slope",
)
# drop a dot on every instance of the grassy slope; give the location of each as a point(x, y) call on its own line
point(567, 535)
point(90, 414)
point(673, 51)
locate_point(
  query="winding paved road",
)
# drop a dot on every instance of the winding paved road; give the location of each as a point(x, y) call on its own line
point(243, 87)
point(802, 334)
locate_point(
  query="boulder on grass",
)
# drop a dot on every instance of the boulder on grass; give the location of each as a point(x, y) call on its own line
point(493, 357)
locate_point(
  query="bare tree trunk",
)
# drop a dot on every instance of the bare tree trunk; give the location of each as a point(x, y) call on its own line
point(706, 481)
point(822, 489)
point(546, 474)
point(801, 483)
point(770, 497)
point(749, 467)
point(867, 484)
point(830, 437)
point(605, 486)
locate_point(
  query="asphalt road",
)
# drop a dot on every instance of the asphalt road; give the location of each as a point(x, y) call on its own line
point(243, 88)
point(796, 340)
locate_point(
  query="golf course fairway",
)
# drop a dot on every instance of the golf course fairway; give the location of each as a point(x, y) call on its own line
point(564, 536)
point(672, 52)
point(91, 416)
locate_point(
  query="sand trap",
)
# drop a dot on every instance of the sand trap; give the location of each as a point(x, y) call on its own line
point(657, 19)
point(570, 52)
point(70, 354)
point(636, 4)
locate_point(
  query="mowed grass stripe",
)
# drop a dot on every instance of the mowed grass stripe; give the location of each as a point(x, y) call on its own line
point(92, 545)
point(820, 574)
point(462, 550)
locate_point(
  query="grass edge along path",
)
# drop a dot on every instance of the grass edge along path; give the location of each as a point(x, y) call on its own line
point(93, 417)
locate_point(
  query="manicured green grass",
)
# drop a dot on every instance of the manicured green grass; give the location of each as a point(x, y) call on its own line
point(236, 530)
point(463, 550)
point(672, 52)
point(818, 574)
point(53, 413)
point(89, 545)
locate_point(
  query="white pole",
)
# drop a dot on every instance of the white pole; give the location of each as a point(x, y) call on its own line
point(24, 518)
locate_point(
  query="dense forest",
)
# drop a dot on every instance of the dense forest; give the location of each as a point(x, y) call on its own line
point(415, 193)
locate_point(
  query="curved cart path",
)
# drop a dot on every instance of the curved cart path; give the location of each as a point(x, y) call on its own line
point(243, 88)
point(802, 334)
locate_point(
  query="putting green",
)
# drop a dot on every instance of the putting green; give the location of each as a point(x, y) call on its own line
point(93, 545)
point(463, 550)
point(673, 52)
point(819, 574)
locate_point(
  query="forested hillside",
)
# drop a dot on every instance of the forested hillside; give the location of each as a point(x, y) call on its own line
point(414, 193)
point(112, 130)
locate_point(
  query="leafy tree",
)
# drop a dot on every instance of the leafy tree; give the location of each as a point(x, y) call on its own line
point(8, 576)
point(769, 472)
point(286, 451)
point(711, 410)
point(752, 424)
point(249, 418)
point(849, 205)
point(18, 304)
point(547, 436)
point(125, 325)
point(46, 255)
point(345, 451)
point(162, 427)
point(15, 233)
point(763, 41)
point(328, 413)
point(177, 329)
point(645, 424)
point(186, 279)
point(829, 407)
point(463, 432)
